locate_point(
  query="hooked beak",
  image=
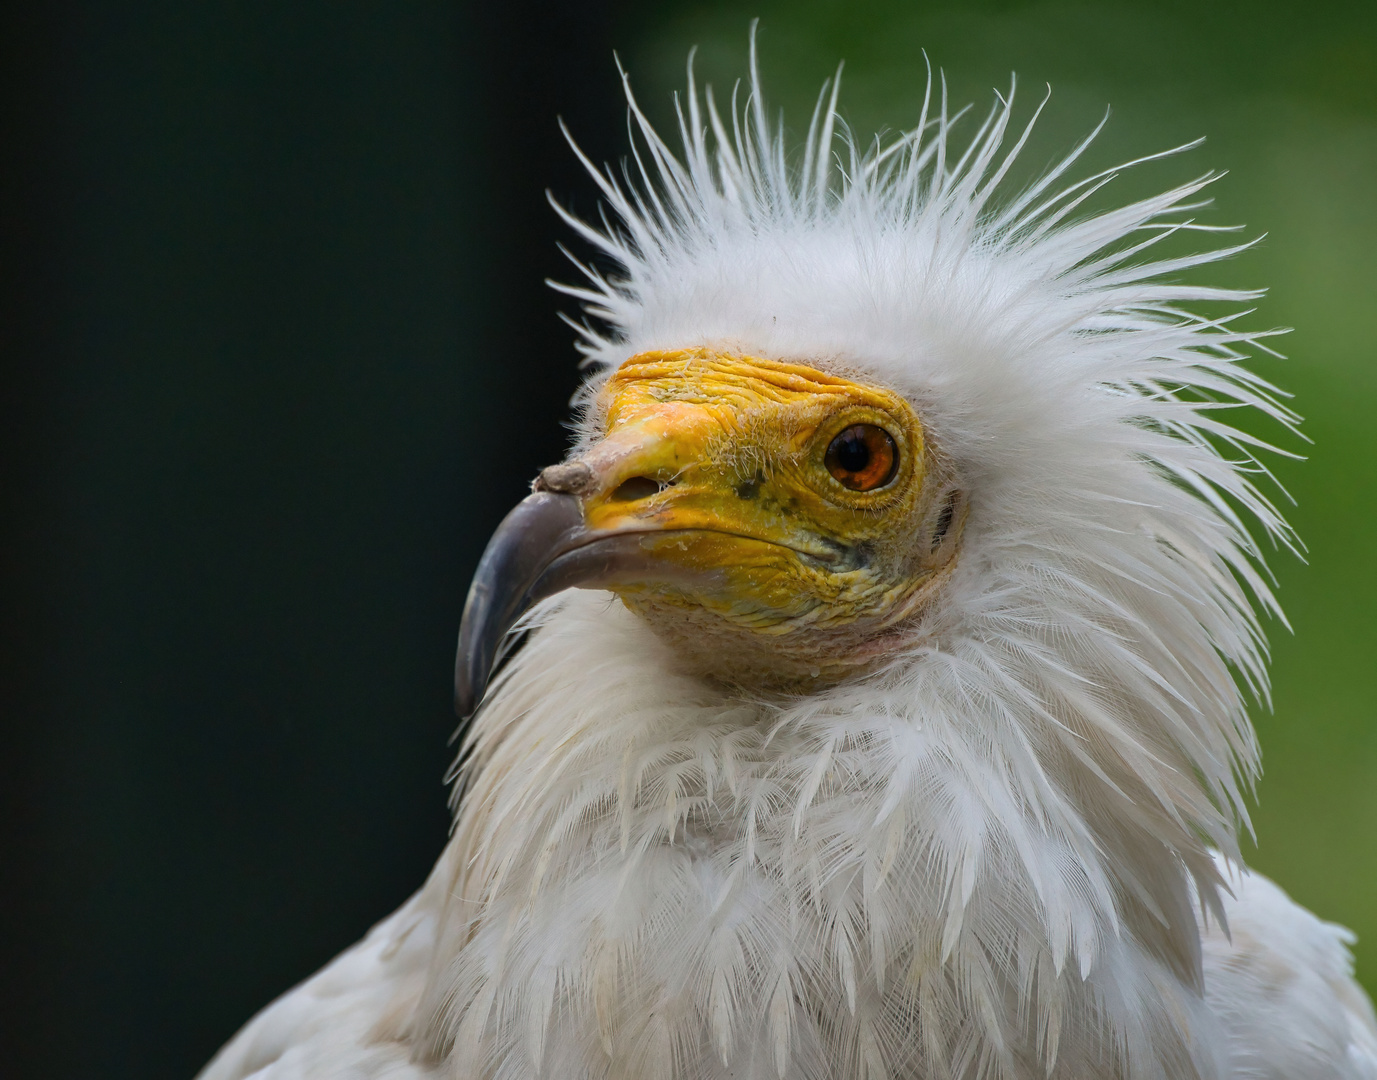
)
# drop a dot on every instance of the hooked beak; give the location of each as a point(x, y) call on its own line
point(542, 548)
point(508, 581)
point(546, 544)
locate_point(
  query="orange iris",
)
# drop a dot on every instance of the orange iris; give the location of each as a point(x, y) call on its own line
point(863, 457)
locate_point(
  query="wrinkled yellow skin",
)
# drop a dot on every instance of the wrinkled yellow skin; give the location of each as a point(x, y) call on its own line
point(781, 549)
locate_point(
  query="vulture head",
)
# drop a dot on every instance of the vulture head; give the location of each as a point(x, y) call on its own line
point(777, 524)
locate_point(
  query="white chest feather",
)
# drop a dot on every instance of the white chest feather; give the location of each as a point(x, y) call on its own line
point(655, 879)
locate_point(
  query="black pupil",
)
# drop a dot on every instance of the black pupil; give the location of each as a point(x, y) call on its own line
point(853, 454)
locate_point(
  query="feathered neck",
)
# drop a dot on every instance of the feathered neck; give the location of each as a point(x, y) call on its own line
point(654, 869)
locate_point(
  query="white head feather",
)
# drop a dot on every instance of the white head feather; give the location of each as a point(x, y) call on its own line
point(981, 859)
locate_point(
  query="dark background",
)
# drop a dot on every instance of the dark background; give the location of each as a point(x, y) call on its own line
point(277, 356)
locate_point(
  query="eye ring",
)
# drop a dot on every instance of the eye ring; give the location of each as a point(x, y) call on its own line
point(862, 457)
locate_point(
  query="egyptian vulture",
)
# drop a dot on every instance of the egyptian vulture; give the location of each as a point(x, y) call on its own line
point(902, 733)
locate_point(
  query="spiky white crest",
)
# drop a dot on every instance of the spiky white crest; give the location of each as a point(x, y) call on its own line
point(982, 859)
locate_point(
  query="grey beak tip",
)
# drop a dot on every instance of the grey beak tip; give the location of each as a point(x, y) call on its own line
point(540, 528)
point(468, 691)
point(541, 548)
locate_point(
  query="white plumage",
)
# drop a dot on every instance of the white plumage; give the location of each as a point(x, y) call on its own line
point(1008, 852)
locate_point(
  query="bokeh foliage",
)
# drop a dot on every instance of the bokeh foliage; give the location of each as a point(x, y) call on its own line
point(1286, 97)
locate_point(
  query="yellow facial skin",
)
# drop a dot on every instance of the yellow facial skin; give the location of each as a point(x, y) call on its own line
point(720, 460)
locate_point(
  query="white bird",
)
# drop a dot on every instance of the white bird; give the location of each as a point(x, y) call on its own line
point(904, 734)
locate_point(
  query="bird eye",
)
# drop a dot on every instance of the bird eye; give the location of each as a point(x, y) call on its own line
point(863, 457)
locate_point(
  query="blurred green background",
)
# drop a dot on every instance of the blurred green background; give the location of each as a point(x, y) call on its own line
point(278, 355)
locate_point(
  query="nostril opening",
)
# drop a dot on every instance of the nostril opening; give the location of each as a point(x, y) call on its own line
point(637, 487)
